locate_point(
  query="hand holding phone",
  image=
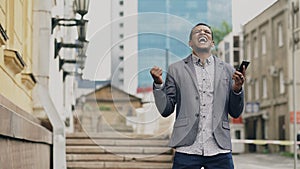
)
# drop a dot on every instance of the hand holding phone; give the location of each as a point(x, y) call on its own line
point(244, 63)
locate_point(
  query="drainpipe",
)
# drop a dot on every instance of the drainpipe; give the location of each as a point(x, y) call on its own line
point(59, 141)
point(42, 55)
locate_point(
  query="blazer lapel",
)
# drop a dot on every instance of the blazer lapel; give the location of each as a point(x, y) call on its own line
point(219, 70)
point(189, 66)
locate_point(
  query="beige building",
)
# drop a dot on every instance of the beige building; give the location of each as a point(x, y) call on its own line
point(35, 95)
point(268, 44)
point(106, 109)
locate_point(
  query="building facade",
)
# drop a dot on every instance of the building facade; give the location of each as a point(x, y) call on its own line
point(22, 135)
point(124, 45)
point(268, 46)
point(36, 93)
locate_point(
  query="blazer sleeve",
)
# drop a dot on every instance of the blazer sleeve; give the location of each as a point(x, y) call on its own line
point(165, 97)
point(236, 101)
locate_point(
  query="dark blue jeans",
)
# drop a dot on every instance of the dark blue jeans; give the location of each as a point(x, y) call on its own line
point(189, 161)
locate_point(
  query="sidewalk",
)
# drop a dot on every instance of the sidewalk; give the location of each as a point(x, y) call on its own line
point(263, 161)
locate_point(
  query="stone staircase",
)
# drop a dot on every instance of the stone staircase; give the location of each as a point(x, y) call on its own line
point(117, 151)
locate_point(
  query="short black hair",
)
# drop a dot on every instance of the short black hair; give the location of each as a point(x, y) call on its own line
point(204, 24)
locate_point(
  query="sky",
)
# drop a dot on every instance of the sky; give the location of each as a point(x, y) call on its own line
point(243, 11)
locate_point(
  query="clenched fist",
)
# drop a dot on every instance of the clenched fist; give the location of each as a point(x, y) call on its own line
point(156, 73)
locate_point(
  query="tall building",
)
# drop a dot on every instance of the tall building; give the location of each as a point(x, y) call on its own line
point(113, 43)
point(167, 24)
point(124, 45)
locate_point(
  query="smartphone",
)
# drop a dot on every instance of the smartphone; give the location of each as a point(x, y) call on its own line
point(244, 63)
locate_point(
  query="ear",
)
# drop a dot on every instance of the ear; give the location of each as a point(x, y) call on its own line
point(190, 44)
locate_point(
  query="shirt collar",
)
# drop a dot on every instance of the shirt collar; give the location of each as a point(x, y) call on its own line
point(196, 60)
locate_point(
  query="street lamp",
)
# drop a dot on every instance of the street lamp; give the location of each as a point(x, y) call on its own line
point(80, 7)
point(59, 45)
point(80, 60)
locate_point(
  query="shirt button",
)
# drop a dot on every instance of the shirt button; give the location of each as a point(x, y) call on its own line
point(197, 97)
point(197, 114)
point(204, 92)
point(203, 105)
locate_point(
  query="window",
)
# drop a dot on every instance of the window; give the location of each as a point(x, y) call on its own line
point(255, 47)
point(265, 88)
point(237, 134)
point(248, 56)
point(281, 81)
point(256, 89)
point(249, 92)
point(280, 35)
point(236, 41)
point(263, 44)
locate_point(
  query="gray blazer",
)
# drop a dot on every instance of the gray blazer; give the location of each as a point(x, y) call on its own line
point(180, 90)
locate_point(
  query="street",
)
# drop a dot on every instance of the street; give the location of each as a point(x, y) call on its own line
point(263, 161)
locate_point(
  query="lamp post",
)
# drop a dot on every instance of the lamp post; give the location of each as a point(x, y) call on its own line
point(295, 40)
point(80, 60)
point(59, 45)
point(81, 7)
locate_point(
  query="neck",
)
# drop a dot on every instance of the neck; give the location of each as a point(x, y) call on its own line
point(202, 54)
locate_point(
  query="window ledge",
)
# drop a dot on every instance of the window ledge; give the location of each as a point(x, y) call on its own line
point(3, 36)
point(13, 61)
point(28, 80)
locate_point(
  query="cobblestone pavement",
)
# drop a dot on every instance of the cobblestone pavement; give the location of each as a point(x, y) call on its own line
point(263, 161)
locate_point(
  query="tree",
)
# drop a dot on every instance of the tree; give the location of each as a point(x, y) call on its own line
point(221, 32)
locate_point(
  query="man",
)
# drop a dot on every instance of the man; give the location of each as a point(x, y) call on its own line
point(204, 90)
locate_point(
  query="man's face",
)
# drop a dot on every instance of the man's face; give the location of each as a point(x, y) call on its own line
point(201, 38)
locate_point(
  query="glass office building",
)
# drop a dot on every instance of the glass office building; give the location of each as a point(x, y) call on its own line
point(164, 27)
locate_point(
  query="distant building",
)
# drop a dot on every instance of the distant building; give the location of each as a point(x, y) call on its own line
point(269, 94)
point(229, 49)
point(124, 44)
point(106, 109)
point(113, 44)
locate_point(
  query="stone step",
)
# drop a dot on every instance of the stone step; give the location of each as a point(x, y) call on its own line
point(117, 142)
point(118, 165)
point(118, 150)
point(115, 135)
point(122, 157)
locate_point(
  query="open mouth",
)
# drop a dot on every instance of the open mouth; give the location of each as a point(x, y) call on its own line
point(202, 39)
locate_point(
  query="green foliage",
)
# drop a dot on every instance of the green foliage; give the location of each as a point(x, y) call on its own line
point(104, 108)
point(221, 32)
